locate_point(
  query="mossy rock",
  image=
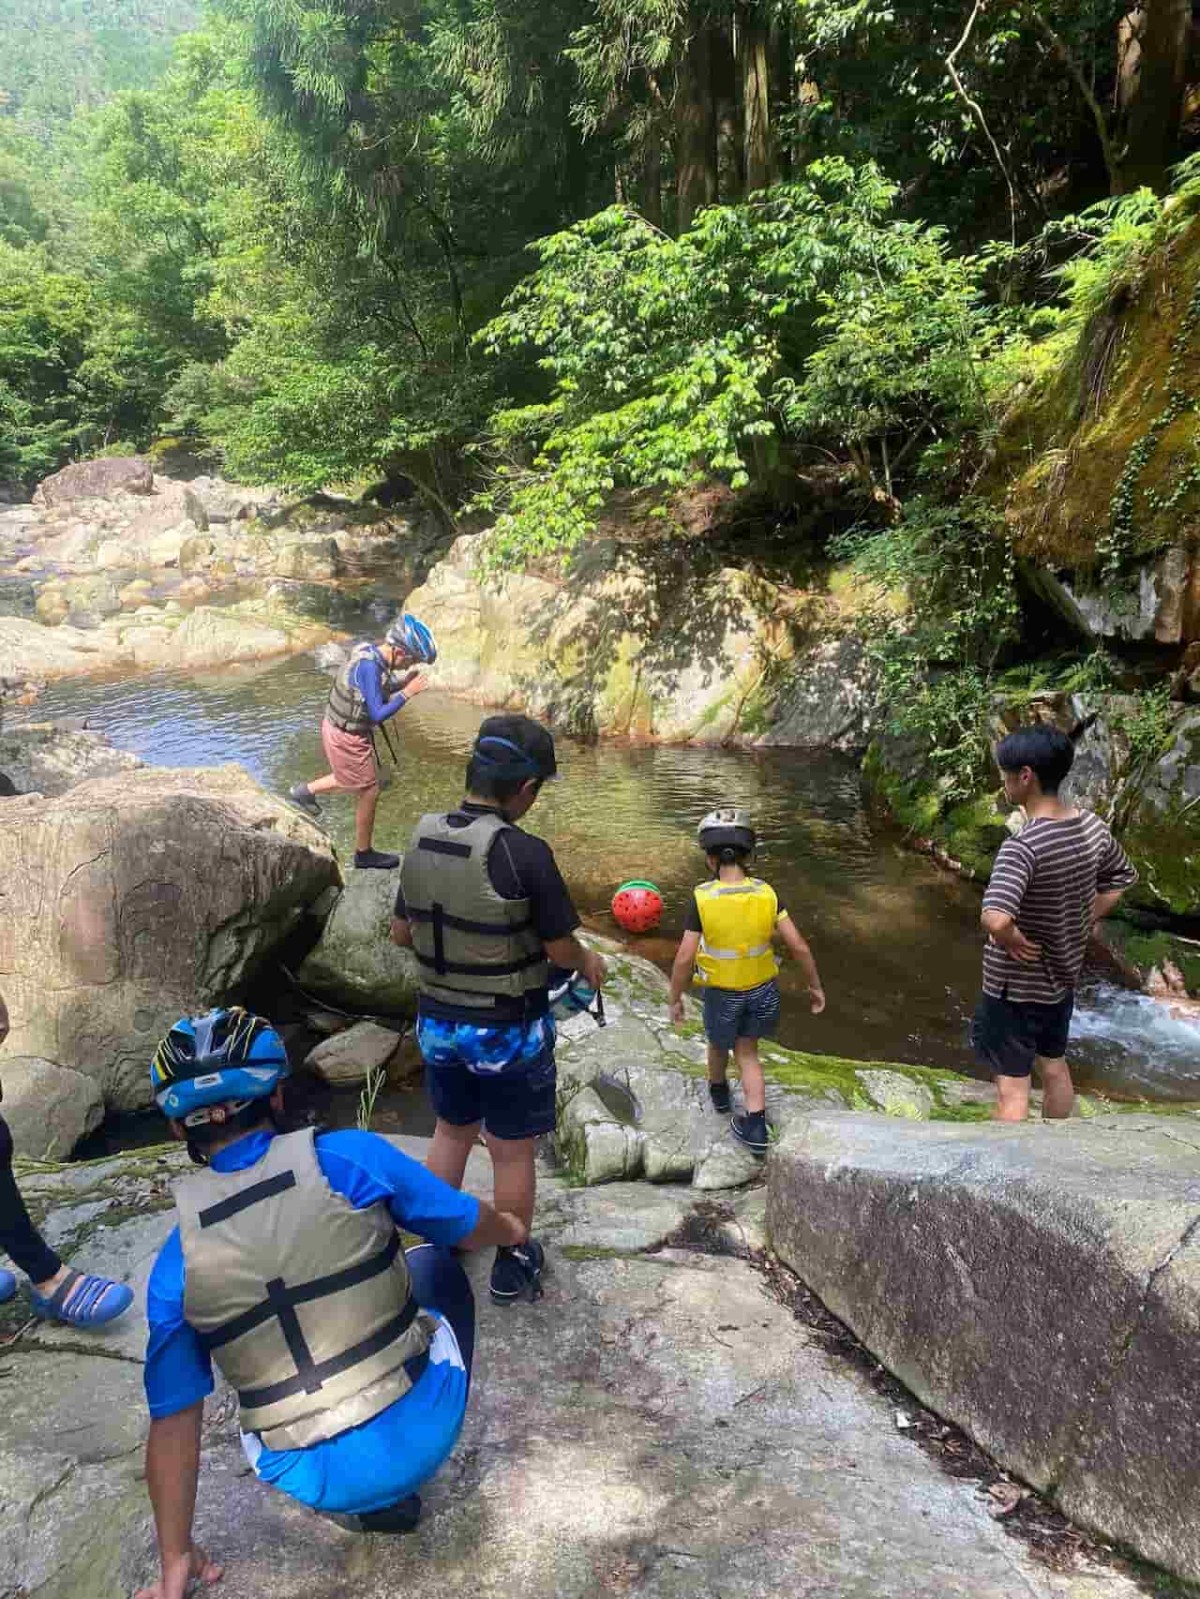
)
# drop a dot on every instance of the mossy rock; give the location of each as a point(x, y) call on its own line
point(969, 833)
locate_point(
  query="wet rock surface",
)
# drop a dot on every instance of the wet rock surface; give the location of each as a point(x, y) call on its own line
point(1037, 1284)
point(659, 1424)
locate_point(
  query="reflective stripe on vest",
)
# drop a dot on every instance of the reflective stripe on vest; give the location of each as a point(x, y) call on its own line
point(304, 1302)
point(347, 709)
point(737, 922)
point(472, 945)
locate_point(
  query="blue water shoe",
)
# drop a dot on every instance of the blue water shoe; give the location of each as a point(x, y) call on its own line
point(83, 1300)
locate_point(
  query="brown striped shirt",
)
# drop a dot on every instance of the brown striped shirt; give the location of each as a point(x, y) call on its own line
point(1047, 879)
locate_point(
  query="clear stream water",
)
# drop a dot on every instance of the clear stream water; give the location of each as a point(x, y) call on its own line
point(896, 938)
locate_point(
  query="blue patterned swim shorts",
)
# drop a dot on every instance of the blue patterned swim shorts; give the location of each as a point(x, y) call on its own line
point(502, 1075)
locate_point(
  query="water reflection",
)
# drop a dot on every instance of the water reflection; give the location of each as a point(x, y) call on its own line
point(896, 939)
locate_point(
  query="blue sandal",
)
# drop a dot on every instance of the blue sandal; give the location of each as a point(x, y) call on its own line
point(8, 1286)
point(93, 1300)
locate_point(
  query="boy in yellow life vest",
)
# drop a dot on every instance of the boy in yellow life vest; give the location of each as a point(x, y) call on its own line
point(728, 939)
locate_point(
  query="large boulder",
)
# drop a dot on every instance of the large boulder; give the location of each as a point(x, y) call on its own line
point(1163, 831)
point(355, 963)
point(131, 900)
point(29, 650)
point(96, 480)
point(828, 701)
point(1039, 1285)
point(48, 1108)
point(40, 758)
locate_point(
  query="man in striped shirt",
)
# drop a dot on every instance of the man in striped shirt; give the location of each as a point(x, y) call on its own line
point(1049, 887)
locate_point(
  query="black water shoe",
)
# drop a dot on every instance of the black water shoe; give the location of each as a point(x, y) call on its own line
point(719, 1094)
point(400, 1517)
point(368, 859)
point(517, 1273)
point(750, 1129)
point(300, 794)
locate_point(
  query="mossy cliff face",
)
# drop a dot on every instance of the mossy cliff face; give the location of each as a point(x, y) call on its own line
point(1152, 801)
point(1100, 462)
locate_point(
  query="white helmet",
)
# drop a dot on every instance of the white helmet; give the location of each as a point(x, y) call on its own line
point(728, 826)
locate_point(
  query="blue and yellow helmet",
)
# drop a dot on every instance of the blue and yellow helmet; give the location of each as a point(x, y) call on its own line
point(414, 638)
point(227, 1057)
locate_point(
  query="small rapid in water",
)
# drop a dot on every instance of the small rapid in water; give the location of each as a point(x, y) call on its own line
point(896, 938)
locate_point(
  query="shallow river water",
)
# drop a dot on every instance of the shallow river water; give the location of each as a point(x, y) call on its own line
point(896, 938)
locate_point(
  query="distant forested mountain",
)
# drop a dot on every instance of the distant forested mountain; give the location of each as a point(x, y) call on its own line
point(59, 55)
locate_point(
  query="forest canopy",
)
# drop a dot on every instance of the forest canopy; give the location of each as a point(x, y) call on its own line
point(524, 255)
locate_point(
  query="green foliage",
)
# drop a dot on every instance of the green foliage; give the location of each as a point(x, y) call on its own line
point(938, 661)
point(45, 318)
point(60, 55)
point(805, 314)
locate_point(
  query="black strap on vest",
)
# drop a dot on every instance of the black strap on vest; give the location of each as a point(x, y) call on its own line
point(281, 1300)
point(478, 968)
point(445, 846)
point(462, 924)
point(267, 1189)
point(311, 1376)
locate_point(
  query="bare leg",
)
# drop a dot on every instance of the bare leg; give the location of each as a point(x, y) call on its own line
point(1012, 1098)
point(718, 1064)
point(449, 1150)
point(324, 785)
point(754, 1084)
point(364, 816)
point(514, 1175)
point(1058, 1091)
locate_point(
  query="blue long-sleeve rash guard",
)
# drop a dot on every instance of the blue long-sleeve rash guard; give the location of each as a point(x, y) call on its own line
point(368, 679)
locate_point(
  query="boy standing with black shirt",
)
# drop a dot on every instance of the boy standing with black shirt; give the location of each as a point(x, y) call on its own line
point(485, 910)
point(1051, 884)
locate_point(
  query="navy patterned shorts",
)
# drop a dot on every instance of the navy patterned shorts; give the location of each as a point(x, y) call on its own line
point(733, 1013)
point(503, 1076)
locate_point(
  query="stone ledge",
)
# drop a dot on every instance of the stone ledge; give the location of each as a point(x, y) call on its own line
point(1039, 1285)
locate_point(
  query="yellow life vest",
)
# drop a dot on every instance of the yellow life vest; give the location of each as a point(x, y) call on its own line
point(737, 922)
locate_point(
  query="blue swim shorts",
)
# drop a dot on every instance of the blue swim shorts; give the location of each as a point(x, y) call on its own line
point(502, 1076)
point(733, 1013)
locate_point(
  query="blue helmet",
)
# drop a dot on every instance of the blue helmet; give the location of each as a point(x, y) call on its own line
point(414, 638)
point(227, 1057)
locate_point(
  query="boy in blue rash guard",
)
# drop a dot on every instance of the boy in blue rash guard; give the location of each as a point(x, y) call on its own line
point(351, 1358)
point(367, 693)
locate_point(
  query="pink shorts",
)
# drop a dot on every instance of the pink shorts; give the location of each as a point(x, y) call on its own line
point(351, 757)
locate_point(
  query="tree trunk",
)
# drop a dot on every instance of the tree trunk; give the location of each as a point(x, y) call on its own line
point(756, 105)
point(695, 123)
point(1152, 46)
point(727, 95)
point(783, 92)
point(652, 178)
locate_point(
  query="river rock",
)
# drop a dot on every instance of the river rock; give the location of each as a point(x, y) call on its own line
point(1163, 831)
point(29, 650)
point(308, 558)
point(44, 759)
point(355, 963)
point(1038, 1284)
point(99, 479)
point(896, 1095)
point(130, 901)
point(210, 637)
point(351, 1056)
point(49, 1108)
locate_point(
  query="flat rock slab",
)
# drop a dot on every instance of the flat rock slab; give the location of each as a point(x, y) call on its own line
point(657, 1426)
point(1038, 1284)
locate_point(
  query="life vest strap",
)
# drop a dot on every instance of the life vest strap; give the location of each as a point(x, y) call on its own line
point(334, 1282)
point(311, 1376)
point(748, 953)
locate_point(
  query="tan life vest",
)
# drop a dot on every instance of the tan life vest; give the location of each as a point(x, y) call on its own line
point(347, 709)
point(304, 1302)
point(471, 943)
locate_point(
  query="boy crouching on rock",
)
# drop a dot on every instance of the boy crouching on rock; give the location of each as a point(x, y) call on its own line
point(728, 939)
point(350, 1357)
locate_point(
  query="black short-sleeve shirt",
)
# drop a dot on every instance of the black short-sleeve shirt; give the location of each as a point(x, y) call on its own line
point(520, 866)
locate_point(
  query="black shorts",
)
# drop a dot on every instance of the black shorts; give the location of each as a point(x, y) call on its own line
point(1006, 1034)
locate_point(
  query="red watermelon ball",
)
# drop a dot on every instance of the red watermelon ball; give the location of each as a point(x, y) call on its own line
point(637, 907)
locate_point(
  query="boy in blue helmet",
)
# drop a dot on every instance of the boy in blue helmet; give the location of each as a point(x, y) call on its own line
point(377, 681)
point(351, 1358)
